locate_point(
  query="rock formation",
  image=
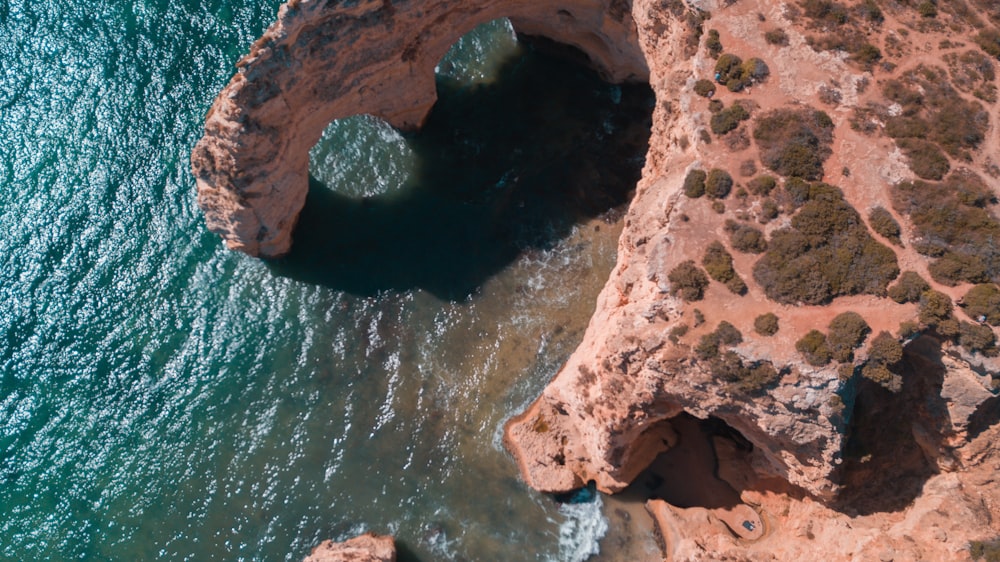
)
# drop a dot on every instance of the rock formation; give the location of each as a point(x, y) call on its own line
point(606, 415)
point(329, 60)
point(363, 548)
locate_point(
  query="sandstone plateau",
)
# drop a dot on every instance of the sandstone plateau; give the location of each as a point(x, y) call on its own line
point(834, 464)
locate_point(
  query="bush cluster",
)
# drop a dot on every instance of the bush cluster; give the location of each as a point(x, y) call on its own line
point(744, 378)
point(933, 111)
point(885, 349)
point(766, 324)
point(745, 238)
point(768, 210)
point(713, 43)
point(687, 281)
point(724, 334)
point(718, 184)
point(728, 119)
point(847, 331)
point(719, 265)
point(936, 311)
point(925, 158)
point(694, 183)
point(882, 222)
point(826, 252)
point(977, 338)
point(814, 348)
point(762, 185)
point(908, 288)
point(794, 142)
point(825, 12)
point(988, 551)
point(989, 41)
point(704, 88)
point(737, 73)
point(776, 37)
point(982, 303)
point(884, 354)
point(953, 225)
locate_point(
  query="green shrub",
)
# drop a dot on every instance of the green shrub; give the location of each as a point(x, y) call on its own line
point(951, 224)
point(927, 9)
point(925, 158)
point(745, 379)
point(719, 265)
point(885, 224)
point(678, 332)
point(935, 308)
point(953, 268)
point(715, 106)
point(762, 185)
point(727, 65)
point(727, 334)
point(745, 238)
point(866, 55)
point(704, 88)
point(871, 12)
point(977, 338)
point(768, 210)
point(694, 184)
point(738, 74)
point(847, 331)
point(688, 281)
point(814, 348)
point(766, 324)
point(794, 142)
point(982, 303)
point(879, 373)
point(776, 37)
point(713, 43)
point(827, 252)
point(885, 349)
point(728, 119)
point(988, 551)
point(825, 12)
point(934, 112)
point(909, 288)
point(724, 334)
point(908, 329)
point(718, 184)
point(989, 41)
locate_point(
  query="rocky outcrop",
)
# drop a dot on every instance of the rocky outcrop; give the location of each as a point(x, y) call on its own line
point(363, 548)
point(607, 414)
point(328, 60)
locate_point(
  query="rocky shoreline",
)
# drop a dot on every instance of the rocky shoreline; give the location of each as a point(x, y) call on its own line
point(611, 410)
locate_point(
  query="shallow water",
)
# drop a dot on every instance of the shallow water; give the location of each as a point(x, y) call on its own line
point(163, 398)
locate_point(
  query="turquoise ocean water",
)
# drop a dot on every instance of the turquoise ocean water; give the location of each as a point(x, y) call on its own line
point(162, 398)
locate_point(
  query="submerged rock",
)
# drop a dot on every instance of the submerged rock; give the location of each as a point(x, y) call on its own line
point(368, 547)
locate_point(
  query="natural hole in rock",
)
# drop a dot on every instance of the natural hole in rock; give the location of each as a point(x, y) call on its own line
point(687, 475)
point(523, 143)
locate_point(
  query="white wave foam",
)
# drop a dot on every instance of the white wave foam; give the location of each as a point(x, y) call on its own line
point(581, 532)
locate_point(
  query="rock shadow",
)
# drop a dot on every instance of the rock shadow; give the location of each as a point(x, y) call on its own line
point(502, 168)
point(894, 438)
point(687, 475)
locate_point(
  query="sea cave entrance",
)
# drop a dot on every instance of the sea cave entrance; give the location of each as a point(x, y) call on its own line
point(525, 141)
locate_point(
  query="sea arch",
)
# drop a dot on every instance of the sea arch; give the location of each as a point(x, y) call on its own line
point(326, 60)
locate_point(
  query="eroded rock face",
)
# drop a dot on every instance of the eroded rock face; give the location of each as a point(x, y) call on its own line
point(606, 414)
point(364, 548)
point(329, 60)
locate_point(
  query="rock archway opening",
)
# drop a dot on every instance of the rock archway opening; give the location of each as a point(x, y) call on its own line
point(322, 61)
point(524, 142)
